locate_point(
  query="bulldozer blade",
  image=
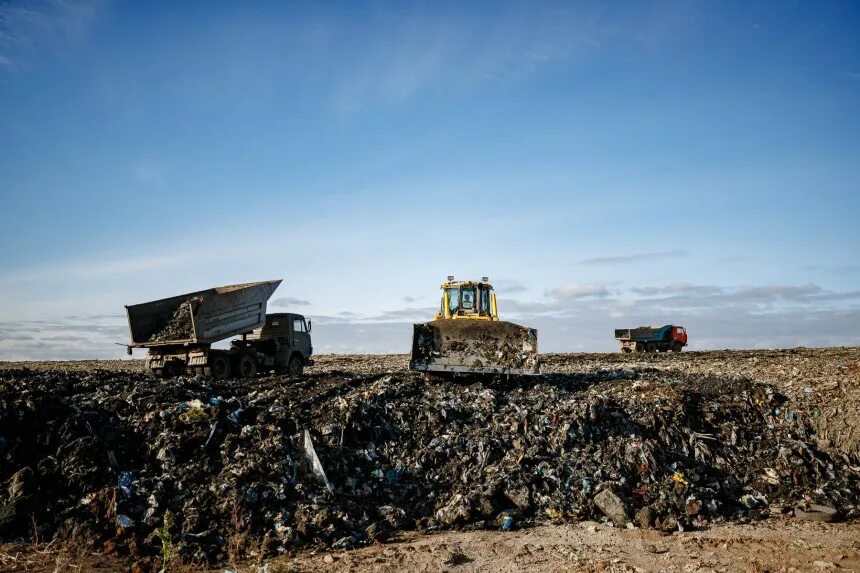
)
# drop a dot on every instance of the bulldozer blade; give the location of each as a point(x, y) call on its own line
point(474, 347)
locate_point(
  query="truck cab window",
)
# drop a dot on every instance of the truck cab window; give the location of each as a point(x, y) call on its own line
point(299, 325)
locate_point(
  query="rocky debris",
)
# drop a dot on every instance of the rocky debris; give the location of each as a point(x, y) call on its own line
point(178, 327)
point(611, 506)
point(220, 469)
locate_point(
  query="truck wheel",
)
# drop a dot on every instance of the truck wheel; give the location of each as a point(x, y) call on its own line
point(295, 367)
point(246, 366)
point(677, 346)
point(220, 365)
point(651, 347)
point(626, 350)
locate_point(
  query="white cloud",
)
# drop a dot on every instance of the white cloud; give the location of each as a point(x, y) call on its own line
point(287, 301)
point(578, 290)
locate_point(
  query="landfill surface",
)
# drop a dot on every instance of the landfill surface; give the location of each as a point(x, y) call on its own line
point(102, 456)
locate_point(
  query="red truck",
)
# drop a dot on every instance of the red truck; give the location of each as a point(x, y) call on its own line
point(652, 338)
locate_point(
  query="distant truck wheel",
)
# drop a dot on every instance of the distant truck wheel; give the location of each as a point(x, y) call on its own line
point(651, 347)
point(220, 365)
point(295, 367)
point(626, 350)
point(677, 346)
point(246, 366)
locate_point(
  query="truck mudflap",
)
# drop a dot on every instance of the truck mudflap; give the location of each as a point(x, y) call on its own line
point(474, 347)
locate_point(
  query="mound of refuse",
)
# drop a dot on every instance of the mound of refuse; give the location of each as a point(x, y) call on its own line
point(178, 327)
point(218, 470)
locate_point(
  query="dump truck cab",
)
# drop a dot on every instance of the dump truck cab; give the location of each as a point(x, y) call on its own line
point(283, 343)
point(679, 333)
point(468, 299)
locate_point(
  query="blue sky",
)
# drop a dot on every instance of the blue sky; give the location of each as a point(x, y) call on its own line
point(607, 164)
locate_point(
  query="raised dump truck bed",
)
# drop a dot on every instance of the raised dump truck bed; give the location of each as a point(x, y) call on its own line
point(202, 317)
point(642, 333)
point(178, 333)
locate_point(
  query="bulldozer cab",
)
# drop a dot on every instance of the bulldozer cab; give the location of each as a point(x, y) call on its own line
point(469, 300)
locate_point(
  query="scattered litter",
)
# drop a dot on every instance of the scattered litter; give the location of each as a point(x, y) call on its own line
point(350, 456)
point(315, 461)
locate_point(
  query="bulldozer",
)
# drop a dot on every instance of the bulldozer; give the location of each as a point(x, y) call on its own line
point(467, 337)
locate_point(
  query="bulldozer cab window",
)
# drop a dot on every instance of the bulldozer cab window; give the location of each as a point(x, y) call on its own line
point(485, 301)
point(468, 299)
point(453, 299)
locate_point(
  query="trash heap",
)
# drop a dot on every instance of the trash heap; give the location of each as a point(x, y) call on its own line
point(218, 470)
point(178, 327)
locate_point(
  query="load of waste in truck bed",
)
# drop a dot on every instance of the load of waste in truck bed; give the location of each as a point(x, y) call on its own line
point(221, 469)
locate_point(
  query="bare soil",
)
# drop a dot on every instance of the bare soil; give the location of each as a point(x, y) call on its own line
point(778, 545)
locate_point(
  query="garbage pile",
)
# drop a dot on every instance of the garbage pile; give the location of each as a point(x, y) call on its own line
point(476, 344)
point(824, 383)
point(218, 470)
point(178, 327)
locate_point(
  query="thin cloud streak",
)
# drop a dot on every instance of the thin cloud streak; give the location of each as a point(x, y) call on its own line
point(635, 258)
point(25, 25)
point(287, 301)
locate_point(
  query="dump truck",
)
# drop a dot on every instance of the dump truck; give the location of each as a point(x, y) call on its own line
point(652, 338)
point(178, 333)
point(467, 337)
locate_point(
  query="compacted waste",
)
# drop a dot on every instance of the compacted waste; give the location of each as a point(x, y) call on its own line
point(221, 469)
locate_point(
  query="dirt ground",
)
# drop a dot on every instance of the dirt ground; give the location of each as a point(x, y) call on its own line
point(822, 383)
point(776, 545)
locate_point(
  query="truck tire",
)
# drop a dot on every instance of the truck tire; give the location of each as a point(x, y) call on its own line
point(626, 350)
point(296, 366)
point(677, 346)
point(246, 366)
point(220, 365)
point(651, 347)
